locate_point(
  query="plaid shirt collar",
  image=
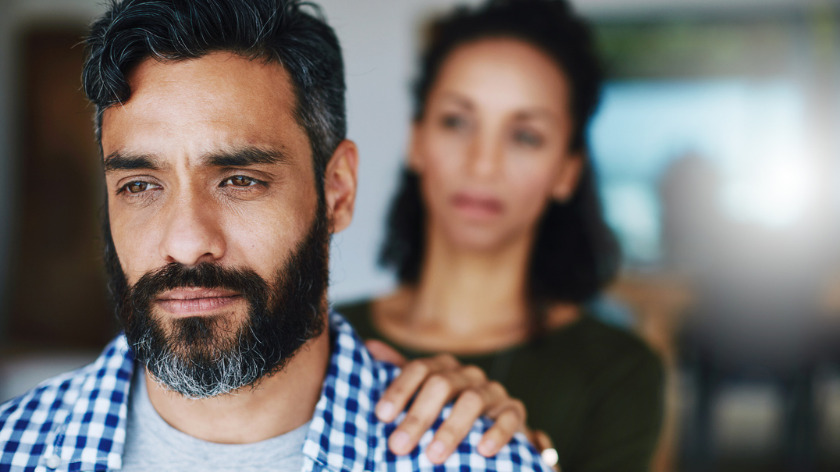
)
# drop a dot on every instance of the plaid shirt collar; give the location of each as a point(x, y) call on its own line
point(77, 421)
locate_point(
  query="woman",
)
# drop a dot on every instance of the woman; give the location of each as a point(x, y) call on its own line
point(497, 235)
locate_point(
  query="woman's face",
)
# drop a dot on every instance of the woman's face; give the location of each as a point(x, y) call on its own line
point(492, 148)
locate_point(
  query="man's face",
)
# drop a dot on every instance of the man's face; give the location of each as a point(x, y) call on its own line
point(214, 217)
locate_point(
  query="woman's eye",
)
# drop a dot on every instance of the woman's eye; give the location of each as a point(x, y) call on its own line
point(454, 122)
point(527, 138)
point(240, 181)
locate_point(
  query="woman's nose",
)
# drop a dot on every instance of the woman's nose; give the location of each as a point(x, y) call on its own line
point(485, 157)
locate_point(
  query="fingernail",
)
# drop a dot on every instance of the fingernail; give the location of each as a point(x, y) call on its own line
point(385, 411)
point(487, 447)
point(436, 450)
point(399, 440)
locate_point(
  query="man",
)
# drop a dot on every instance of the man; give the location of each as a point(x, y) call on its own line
point(221, 126)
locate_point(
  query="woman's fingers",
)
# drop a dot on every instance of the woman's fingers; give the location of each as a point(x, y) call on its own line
point(437, 390)
point(471, 404)
point(465, 410)
point(540, 440)
point(402, 389)
point(433, 383)
point(509, 417)
point(385, 353)
point(543, 443)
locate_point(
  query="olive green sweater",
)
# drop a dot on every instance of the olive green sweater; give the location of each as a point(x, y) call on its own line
point(596, 390)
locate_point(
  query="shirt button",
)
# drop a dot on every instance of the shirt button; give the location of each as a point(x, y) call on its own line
point(53, 462)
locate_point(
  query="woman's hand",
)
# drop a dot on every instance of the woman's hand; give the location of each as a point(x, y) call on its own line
point(434, 382)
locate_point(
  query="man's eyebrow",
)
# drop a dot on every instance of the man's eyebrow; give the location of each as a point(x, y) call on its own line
point(245, 156)
point(239, 157)
point(118, 161)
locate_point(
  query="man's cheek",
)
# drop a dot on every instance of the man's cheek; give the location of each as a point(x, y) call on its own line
point(129, 264)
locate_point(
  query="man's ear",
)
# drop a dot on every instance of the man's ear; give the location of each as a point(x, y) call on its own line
point(415, 157)
point(567, 180)
point(340, 181)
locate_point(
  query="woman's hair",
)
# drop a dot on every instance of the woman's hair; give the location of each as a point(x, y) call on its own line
point(575, 254)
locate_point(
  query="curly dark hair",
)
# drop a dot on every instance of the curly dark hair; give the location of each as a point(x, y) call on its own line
point(280, 31)
point(575, 253)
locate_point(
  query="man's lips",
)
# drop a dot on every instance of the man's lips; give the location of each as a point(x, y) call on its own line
point(195, 300)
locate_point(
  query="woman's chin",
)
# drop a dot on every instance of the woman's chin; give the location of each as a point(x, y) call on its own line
point(481, 238)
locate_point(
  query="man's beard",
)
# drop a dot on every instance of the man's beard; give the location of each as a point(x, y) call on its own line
point(206, 356)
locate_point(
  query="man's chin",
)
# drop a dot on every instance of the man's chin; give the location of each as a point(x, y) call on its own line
point(207, 333)
point(198, 357)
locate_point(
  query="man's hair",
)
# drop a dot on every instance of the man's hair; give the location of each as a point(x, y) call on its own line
point(277, 31)
point(575, 254)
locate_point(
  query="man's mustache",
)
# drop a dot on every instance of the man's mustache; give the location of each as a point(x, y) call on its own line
point(204, 275)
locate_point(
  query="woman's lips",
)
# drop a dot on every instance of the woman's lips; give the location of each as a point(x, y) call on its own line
point(196, 301)
point(477, 206)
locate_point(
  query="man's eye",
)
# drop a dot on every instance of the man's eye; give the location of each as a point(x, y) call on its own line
point(136, 187)
point(240, 181)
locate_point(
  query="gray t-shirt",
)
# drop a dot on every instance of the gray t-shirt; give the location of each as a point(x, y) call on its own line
point(152, 444)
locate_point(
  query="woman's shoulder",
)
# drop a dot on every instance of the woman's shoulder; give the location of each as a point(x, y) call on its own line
point(613, 339)
point(602, 348)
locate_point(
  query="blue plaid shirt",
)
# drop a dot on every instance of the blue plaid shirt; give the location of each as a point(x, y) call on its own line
point(77, 421)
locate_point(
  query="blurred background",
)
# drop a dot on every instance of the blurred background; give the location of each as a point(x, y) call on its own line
point(717, 146)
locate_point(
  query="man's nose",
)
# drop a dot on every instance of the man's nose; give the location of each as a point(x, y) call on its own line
point(192, 231)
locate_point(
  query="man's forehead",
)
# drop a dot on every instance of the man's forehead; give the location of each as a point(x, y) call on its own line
point(211, 78)
point(212, 101)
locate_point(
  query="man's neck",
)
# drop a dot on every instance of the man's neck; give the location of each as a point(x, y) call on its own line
point(277, 405)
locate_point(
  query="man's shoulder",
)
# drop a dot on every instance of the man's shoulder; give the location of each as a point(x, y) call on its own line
point(112, 366)
point(31, 423)
point(346, 420)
